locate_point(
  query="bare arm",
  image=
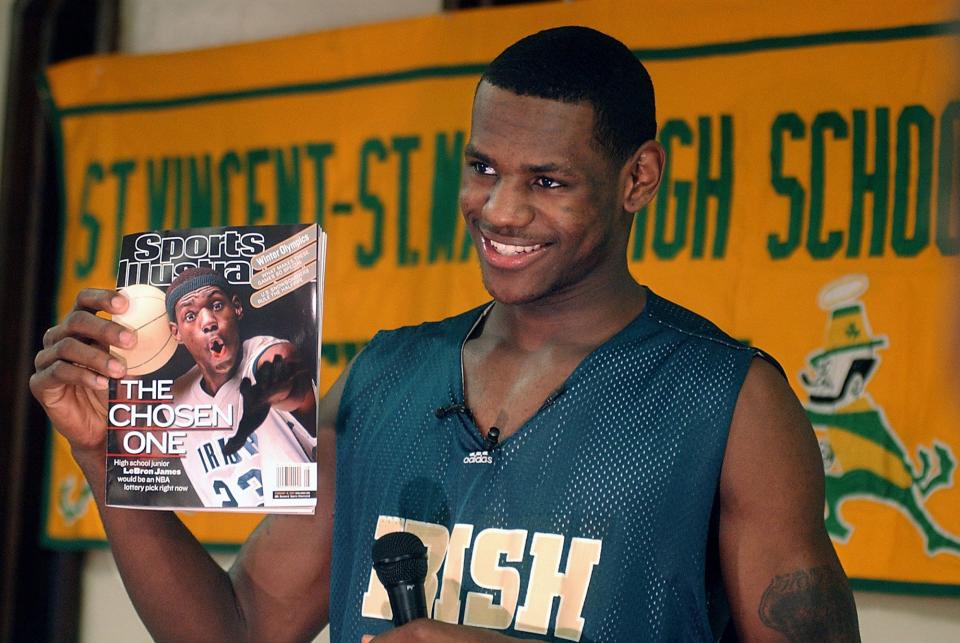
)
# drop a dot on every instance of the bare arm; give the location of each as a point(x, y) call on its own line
point(781, 572)
point(277, 589)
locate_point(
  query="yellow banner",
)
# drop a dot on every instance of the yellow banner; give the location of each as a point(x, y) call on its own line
point(806, 208)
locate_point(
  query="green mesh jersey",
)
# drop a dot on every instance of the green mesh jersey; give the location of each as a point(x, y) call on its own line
point(593, 522)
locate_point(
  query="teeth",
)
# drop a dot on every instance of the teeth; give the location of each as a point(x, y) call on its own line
point(509, 251)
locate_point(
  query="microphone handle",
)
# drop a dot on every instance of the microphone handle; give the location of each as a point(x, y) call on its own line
point(408, 602)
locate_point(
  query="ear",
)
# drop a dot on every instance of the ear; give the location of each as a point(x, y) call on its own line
point(175, 331)
point(641, 175)
point(237, 307)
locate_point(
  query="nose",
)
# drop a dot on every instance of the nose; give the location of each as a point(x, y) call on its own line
point(507, 206)
point(208, 322)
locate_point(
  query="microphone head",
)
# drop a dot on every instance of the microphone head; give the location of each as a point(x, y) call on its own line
point(399, 557)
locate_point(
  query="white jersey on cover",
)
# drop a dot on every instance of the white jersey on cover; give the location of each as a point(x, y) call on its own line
point(237, 480)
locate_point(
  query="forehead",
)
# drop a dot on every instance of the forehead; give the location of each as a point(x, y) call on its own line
point(528, 129)
point(199, 295)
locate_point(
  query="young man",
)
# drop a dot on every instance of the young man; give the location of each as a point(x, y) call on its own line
point(261, 378)
point(649, 471)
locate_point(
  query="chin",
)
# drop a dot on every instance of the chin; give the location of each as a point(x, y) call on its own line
point(225, 366)
point(514, 294)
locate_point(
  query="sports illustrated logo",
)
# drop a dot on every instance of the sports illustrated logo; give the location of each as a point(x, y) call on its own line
point(863, 456)
point(478, 457)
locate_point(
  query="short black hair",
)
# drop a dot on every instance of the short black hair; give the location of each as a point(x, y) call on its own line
point(193, 278)
point(577, 64)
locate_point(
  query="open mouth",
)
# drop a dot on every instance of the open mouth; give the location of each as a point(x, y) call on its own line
point(216, 347)
point(509, 255)
point(508, 250)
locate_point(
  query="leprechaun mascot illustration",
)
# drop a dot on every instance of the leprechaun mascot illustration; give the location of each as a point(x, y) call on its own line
point(863, 456)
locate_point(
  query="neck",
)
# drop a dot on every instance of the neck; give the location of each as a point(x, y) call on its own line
point(212, 380)
point(589, 313)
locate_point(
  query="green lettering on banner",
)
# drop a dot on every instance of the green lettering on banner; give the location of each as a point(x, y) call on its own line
point(88, 220)
point(444, 210)
point(640, 233)
point(403, 146)
point(200, 209)
point(466, 245)
point(664, 249)
point(369, 255)
point(121, 170)
point(877, 183)
point(335, 353)
point(913, 117)
point(229, 165)
point(788, 186)
point(318, 153)
point(948, 242)
point(708, 187)
point(288, 186)
point(255, 210)
point(818, 246)
point(158, 182)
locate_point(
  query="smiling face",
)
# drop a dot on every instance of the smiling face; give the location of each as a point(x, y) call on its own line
point(207, 325)
point(540, 199)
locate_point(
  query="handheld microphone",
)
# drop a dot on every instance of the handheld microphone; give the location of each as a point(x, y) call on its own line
point(400, 560)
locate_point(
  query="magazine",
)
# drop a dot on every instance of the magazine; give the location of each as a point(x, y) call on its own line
point(218, 410)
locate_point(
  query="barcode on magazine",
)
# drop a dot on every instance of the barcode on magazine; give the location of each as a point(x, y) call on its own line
point(294, 476)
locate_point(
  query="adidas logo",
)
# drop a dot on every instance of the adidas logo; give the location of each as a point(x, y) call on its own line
point(478, 457)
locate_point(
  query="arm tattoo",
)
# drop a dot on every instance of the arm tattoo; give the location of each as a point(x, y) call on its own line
point(811, 605)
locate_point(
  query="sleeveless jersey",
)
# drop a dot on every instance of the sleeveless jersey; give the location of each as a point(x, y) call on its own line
point(592, 522)
point(236, 480)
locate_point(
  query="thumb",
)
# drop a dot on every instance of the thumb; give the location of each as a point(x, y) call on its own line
point(366, 638)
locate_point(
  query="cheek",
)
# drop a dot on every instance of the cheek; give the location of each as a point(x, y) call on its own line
point(473, 194)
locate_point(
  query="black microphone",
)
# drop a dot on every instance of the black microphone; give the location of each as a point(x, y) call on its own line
point(450, 409)
point(400, 560)
point(492, 439)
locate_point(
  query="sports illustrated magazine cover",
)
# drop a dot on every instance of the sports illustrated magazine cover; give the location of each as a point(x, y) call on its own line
point(218, 410)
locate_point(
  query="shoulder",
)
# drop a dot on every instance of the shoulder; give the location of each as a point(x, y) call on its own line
point(256, 348)
point(259, 343)
point(409, 354)
point(772, 440)
point(407, 340)
point(691, 330)
point(676, 319)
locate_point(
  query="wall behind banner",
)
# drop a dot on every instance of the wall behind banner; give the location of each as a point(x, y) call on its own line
point(151, 25)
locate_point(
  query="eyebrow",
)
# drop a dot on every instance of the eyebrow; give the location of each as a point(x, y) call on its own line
point(187, 299)
point(544, 168)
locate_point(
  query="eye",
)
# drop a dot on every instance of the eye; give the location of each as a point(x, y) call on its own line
point(547, 182)
point(217, 306)
point(479, 167)
point(189, 316)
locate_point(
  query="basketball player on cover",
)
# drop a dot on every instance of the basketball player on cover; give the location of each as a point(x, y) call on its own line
point(650, 471)
point(261, 378)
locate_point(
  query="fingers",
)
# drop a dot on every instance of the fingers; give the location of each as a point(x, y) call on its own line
point(64, 373)
point(76, 352)
point(96, 299)
point(89, 302)
point(265, 372)
point(85, 324)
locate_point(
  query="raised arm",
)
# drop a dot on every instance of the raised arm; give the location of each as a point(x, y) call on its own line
point(277, 589)
point(780, 570)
